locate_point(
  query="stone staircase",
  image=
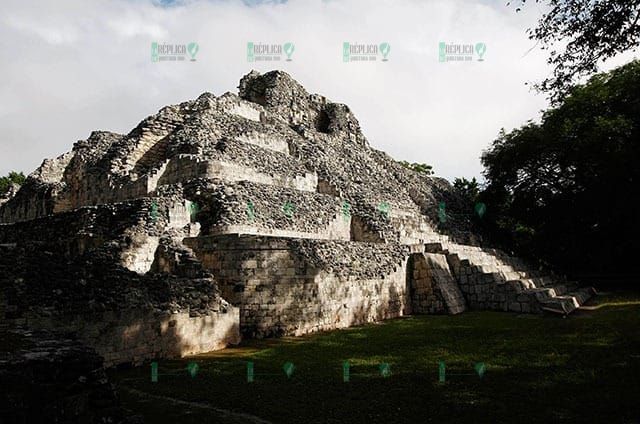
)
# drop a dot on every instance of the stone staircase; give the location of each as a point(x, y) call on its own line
point(491, 279)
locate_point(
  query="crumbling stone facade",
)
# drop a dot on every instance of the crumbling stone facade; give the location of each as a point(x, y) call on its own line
point(260, 214)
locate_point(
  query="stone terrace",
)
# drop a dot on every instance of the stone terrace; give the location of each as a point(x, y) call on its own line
point(259, 214)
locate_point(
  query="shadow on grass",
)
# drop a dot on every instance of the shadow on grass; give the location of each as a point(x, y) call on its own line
point(542, 369)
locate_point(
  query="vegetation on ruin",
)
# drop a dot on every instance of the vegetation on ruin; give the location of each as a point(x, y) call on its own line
point(540, 368)
point(11, 178)
point(422, 168)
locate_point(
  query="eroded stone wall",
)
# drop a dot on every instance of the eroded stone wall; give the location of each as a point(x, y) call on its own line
point(134, 336)
point(280, 293)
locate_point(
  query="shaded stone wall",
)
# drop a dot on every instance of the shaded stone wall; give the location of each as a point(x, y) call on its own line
point(280, 293)
point(134, 336)
point(71, 272)
point(52, 378)
point(432, 287)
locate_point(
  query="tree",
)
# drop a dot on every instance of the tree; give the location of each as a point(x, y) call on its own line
point(12, 178)
point(565, 189)
point(468, 189)
point(593, 30)
point(422, 168)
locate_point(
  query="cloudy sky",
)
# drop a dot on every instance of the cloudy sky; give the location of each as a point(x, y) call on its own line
point(72, 66)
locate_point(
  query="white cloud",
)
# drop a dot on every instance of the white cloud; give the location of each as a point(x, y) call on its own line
point(72, 66)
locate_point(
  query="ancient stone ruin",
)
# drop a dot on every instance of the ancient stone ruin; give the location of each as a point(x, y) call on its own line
point(253, 215)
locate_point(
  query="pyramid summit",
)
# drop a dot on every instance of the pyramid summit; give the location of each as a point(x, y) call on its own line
point(260, 214)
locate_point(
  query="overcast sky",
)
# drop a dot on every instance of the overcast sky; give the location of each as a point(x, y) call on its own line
point(72, 66)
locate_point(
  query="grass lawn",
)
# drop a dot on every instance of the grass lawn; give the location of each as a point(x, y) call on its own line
point(540, 368)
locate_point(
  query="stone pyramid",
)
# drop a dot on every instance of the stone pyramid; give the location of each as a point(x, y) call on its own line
point(260, 214)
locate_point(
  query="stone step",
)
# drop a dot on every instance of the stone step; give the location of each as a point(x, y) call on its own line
point(480, 257)
point(569, 302)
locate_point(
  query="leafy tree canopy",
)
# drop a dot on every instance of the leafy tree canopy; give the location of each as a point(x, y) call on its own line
point(566, 189)
point(579, 34)
point(469, 189)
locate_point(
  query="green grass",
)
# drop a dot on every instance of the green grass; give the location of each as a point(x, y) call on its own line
point(585, 368)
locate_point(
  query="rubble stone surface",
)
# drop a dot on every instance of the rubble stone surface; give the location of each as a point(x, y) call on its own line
point(259, 214)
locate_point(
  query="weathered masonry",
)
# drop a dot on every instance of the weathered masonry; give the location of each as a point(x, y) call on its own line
point(260, 214)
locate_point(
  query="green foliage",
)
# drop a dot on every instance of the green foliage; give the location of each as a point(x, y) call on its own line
point(12, 177)
point(581, 33)
point(566, 188)
point(468, 189)
point(422, 168)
